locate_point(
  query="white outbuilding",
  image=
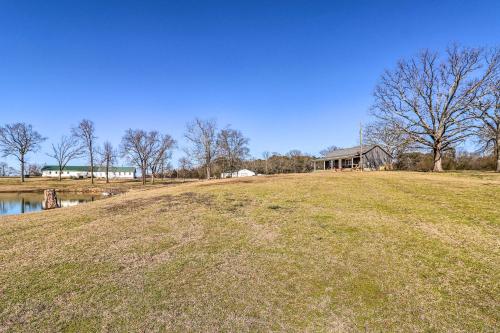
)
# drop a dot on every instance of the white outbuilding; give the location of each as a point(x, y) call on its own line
point(237, 174)
point(84, 172)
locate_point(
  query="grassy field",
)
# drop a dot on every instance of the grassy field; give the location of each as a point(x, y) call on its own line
point(382, 251)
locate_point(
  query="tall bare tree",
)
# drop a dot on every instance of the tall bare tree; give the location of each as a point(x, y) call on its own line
point(265, 156)
point(161, 151)
point(67, 149)
point(429, 98)
point(85, 132)
point(109, 157)
point(232, 148)
point(136, 147)
point(18, 140)
point(201, 134)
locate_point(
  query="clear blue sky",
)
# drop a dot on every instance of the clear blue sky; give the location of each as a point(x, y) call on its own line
point(289, 74)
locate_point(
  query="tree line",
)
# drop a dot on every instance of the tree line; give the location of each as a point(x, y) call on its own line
point(150, 151)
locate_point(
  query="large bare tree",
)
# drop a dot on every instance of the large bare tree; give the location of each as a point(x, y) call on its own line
point(161, 151)
point(201, 134)
point(429, 98)
point(108, 156)
point(136, 147)
point(67, 149)
point(85, 133)
point(232, 148)
point(18, 140)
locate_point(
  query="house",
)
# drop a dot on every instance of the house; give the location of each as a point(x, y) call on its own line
point(84, 172)
point(373, 156)
point(240, 173)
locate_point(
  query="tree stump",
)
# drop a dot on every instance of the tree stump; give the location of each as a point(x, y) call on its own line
point(50, 199)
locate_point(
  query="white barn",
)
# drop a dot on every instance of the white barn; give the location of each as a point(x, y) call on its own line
point(236, 174)
point(84, 172)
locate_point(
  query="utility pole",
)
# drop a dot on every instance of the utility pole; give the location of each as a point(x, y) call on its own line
point(361, 145)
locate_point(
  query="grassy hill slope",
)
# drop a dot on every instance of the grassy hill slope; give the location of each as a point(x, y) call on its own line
point(318, 252)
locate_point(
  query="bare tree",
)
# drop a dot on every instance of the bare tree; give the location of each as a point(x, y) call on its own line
point(201, 134)
point(85, 132)
point(265, 156)
point(161, 146)
point(146, 150)
point(4, 167)
point(184, 165)
point(429, 98)
point(232, 147)
point(34, 170)
point(488, 115)
point(108, 156)
point(18, 140)
point(329, 150)
point(67, 149)
point(387, 136)
point(136, 148)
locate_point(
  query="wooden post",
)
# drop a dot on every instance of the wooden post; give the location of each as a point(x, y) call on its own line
point(314, 165)
point(352, 163)
point(50, 199)
point(340, 164)
point(324, 165)
point(331, 164)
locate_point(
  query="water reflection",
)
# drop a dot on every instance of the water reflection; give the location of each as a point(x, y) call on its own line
point(19, 203)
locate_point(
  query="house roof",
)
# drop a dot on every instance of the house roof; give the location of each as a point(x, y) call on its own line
point(81, 168)
point(347, 152)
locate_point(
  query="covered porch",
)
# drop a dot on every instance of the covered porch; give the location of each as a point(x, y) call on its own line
point(337, 164)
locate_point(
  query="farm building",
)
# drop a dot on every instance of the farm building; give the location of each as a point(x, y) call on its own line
point(374, 158)
point(240, 173)
point(84, 172)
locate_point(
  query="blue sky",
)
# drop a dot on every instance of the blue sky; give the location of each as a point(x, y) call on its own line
point(288, 74)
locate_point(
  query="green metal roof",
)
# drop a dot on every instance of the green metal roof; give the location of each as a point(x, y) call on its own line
point(81, 168)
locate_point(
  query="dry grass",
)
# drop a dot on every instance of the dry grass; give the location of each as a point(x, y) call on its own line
point(317, 252)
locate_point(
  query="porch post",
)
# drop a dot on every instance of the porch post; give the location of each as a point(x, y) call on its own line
point(314, 165)
point(340, 164)
point(331, 165)
point(352, 162)
point(324, 165)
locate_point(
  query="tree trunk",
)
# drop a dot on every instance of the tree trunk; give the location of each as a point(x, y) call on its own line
point(50, 199)
point(438, 162)
point(91, 165)
point(143, 175)
point(22, 169)
point(107, 172)
point(60, 173)
point(497, 146)
point(208, 171)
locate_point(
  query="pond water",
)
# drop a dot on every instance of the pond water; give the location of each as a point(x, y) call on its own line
point(18, 203)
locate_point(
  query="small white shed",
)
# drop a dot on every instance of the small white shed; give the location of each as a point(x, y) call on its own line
point(237, 174)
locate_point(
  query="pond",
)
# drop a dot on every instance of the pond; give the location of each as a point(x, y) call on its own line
point(19, 203)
